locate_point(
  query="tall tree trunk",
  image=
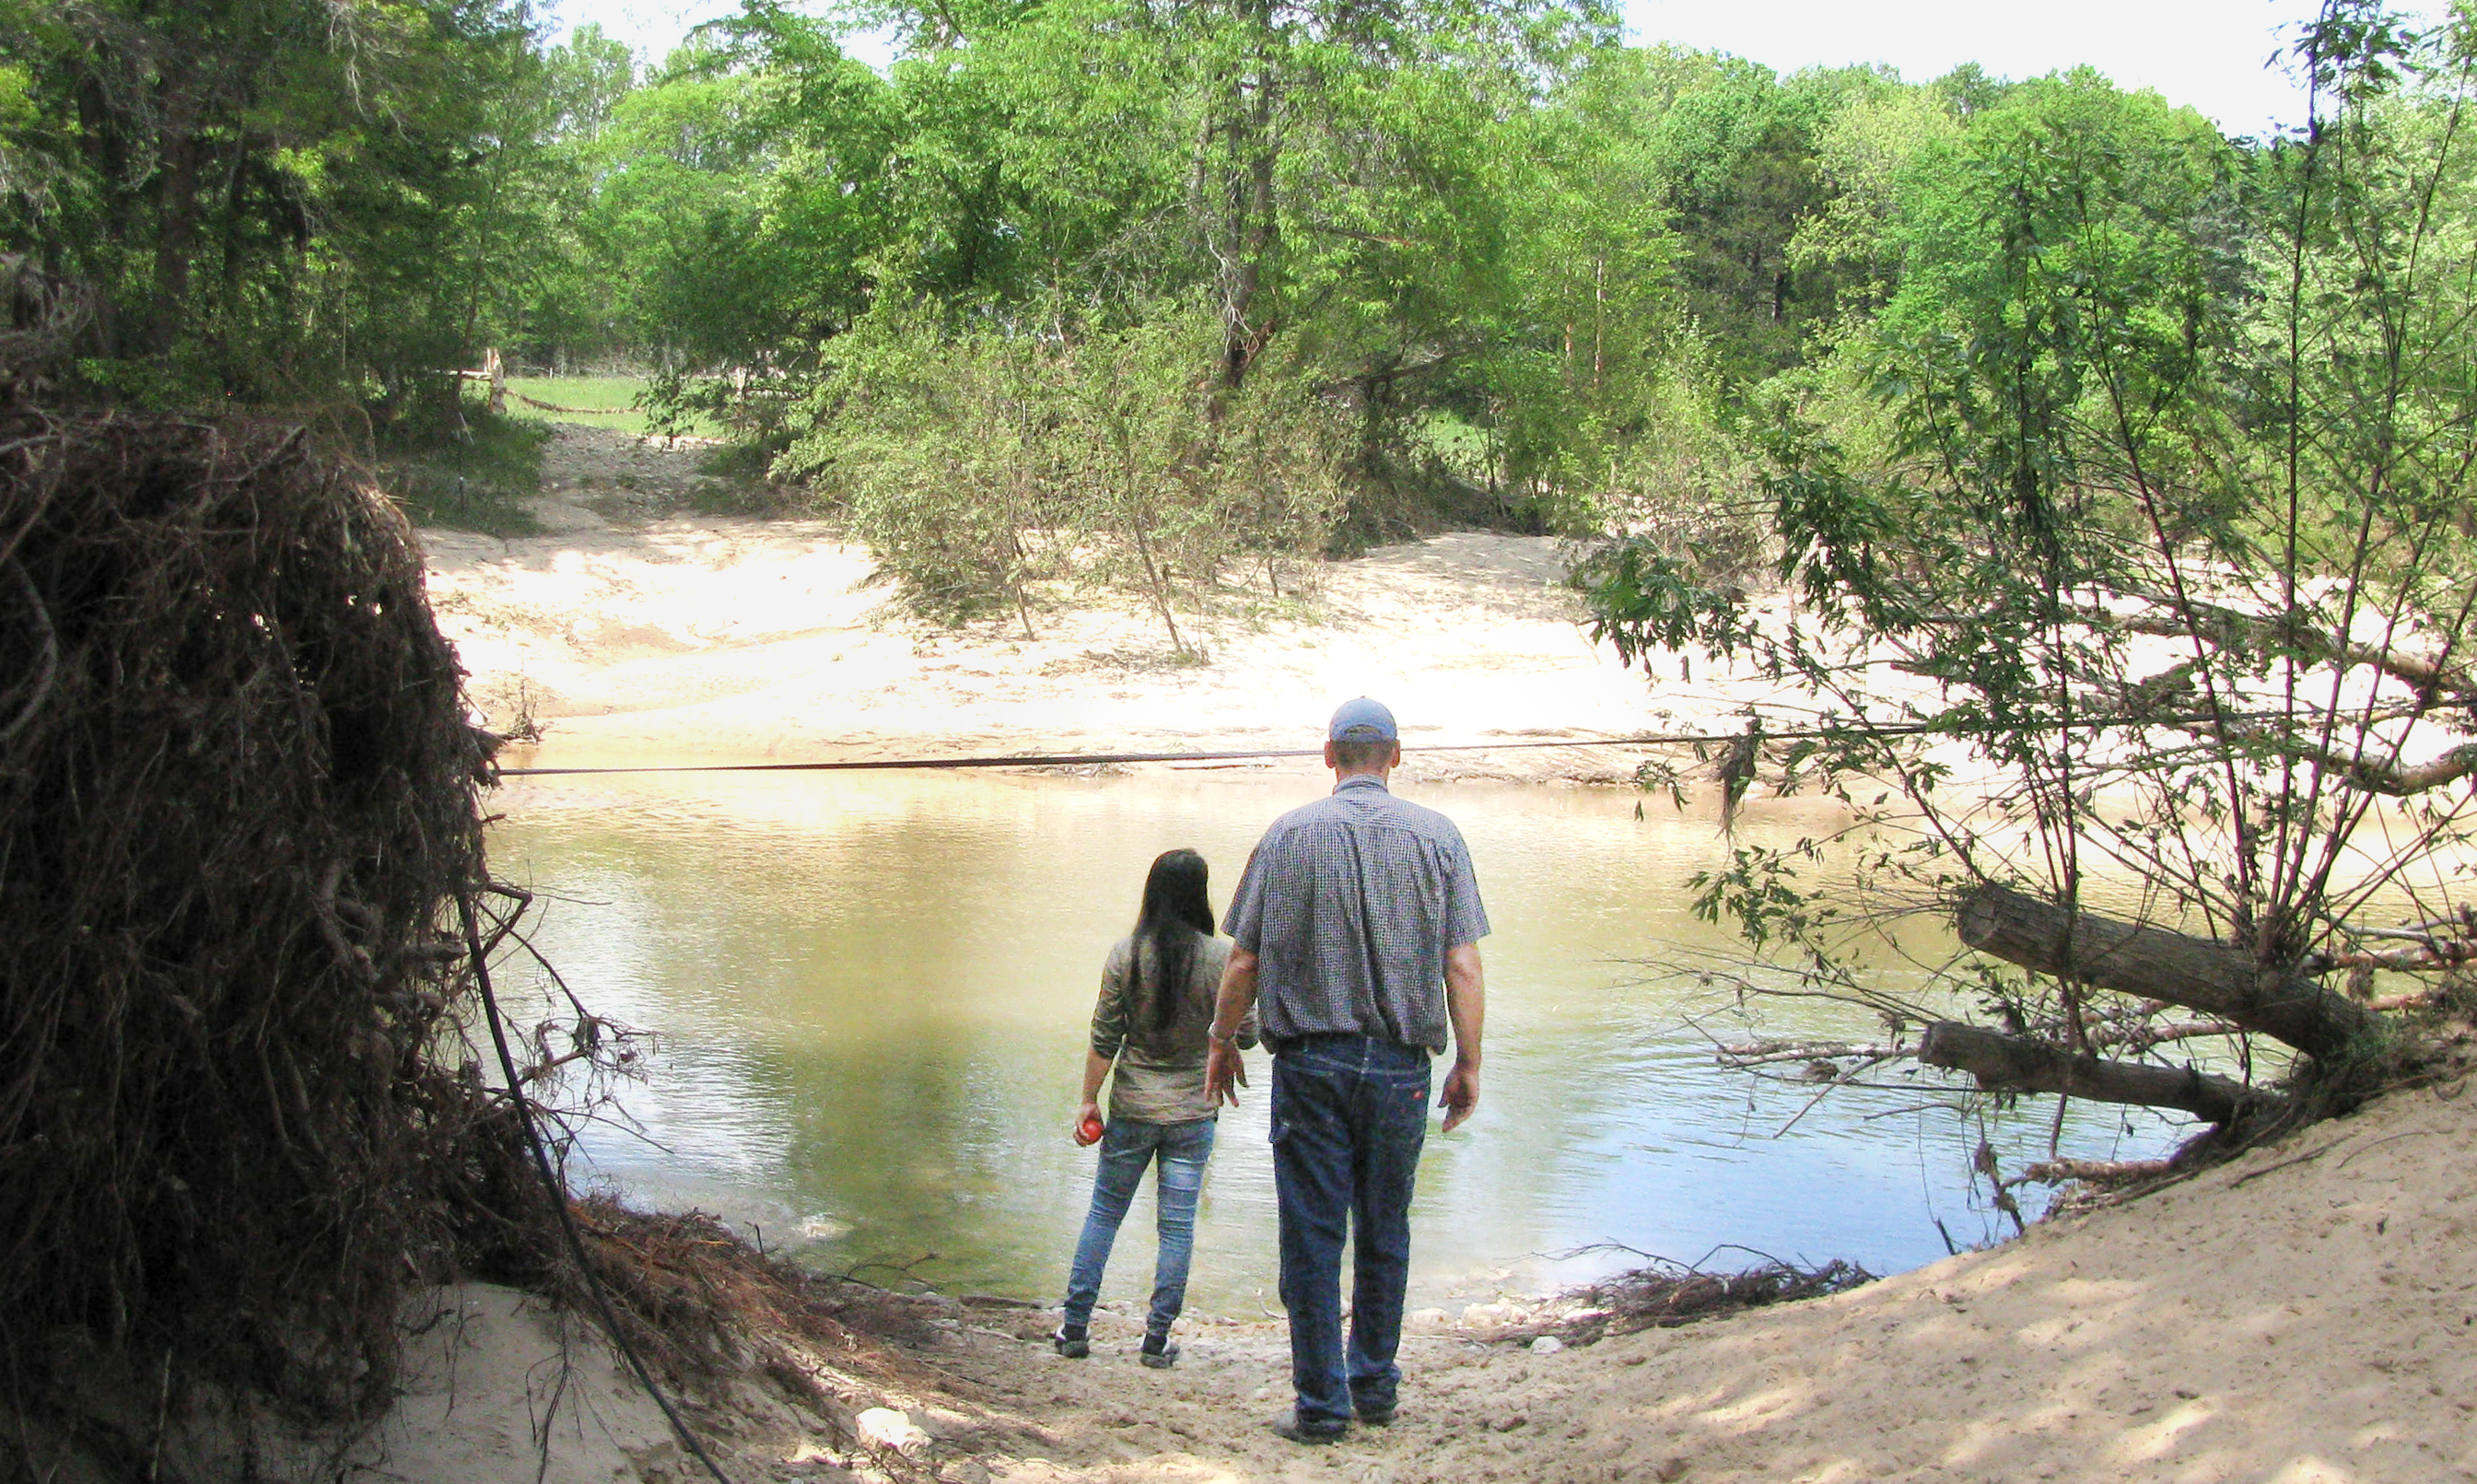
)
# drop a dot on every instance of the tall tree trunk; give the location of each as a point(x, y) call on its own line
point(176, 230)
point(1255, 232)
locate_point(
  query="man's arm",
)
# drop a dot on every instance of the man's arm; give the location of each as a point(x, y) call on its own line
point(1225, 1072)
point(1467, 1006)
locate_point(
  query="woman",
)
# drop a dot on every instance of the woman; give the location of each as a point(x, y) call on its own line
point(1157, 994)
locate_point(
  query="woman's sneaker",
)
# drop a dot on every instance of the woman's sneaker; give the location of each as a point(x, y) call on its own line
point(1160, 1352)
point(1073, 1344)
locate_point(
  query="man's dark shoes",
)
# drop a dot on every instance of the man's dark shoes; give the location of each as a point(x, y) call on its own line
point(1308, 1430)
point(1376, 1416)
point(1160, 1352)
point(1072, 1341)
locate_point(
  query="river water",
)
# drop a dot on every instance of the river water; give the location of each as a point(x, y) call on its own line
point(870, 995)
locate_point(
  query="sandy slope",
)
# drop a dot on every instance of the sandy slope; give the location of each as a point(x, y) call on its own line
point(2305, 1316)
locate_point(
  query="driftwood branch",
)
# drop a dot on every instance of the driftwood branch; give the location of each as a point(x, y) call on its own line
point(2017, 1064)
point(2229, 628)
point(2098, 1171)
point(2138, 1036)
point(2443, 954)
point(2158, 963)
point(1761, 1053)
point(2364, 770)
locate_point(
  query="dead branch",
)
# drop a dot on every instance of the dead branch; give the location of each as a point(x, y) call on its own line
point(2392, 779)
point(2442, 953)
point(2138, 1037)
point(1669, 1295)
point(47, 663)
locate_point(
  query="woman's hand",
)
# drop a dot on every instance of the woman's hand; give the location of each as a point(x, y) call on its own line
point(1088, 1125)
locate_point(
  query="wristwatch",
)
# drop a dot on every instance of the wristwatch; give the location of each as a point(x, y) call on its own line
point(1216, 1033)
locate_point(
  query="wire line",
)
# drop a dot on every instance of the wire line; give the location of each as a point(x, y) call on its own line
point(1644, 739)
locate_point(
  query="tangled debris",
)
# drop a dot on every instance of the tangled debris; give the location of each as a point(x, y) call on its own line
point(1664, 1296)
point(243, 1114)
point(238, 798)
point(697, 1299)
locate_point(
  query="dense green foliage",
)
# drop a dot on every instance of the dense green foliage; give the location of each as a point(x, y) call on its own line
point(1068, 282)
point(265, 199)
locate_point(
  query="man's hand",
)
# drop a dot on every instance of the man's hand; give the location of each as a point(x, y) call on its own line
point(1225, 1072)
point(1462, 1095)
point(1467, 1005)
point(1088, 1119)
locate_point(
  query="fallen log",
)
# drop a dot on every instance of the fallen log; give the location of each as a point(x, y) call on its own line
point(2155, 963)
point(2016, 1063)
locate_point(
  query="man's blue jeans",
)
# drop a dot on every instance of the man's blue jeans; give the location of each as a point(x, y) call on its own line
point(1129, 1145)
point(1349, 1115)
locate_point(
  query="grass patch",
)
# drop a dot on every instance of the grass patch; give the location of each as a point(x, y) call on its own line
point(475, 483)
point(593, 402)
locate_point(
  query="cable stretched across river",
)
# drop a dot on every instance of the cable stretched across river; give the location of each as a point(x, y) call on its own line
point(1247, 754)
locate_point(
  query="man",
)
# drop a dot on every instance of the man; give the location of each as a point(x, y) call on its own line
point(1356, 926)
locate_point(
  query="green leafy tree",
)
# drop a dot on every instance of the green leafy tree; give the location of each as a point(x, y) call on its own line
point(740, 191)
point(2149, 598)
point(265, 200)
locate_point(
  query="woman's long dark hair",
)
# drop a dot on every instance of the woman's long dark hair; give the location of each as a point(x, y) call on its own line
point(1176, 913)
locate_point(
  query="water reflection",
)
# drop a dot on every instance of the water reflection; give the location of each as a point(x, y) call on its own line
point(871, 994)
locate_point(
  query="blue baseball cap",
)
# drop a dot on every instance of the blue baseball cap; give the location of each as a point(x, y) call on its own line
point(1362, 721)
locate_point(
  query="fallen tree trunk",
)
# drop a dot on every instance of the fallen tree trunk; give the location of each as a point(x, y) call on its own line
point(2017, 1064)
point(2157, 963)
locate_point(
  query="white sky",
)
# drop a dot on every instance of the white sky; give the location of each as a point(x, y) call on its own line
point(2206, 53)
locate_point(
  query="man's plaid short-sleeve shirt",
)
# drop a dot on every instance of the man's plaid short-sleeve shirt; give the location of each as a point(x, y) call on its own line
point(1349, 904)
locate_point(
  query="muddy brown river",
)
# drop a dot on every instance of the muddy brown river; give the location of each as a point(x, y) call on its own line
point(870, 991)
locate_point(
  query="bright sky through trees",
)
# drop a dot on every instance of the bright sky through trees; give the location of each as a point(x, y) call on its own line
point(2206, 53)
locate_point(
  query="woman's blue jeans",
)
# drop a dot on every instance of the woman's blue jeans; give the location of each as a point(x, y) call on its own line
point(1350, 1114)
point(1129, 1145)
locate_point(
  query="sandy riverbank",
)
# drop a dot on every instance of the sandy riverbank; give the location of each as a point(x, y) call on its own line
point(2303, 1316)
point(632, 637)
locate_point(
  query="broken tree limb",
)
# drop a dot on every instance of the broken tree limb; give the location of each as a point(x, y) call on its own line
point(2157, 963)
point(2016, 1063)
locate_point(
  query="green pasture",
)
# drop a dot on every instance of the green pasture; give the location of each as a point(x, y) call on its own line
point(592, 401)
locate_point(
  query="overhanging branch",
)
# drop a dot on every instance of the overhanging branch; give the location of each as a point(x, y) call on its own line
point(2019, 1063)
